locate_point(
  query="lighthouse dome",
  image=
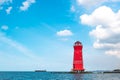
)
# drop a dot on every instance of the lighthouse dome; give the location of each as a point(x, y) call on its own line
point(78, 43)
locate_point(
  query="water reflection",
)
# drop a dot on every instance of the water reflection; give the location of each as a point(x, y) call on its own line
point(78, 76)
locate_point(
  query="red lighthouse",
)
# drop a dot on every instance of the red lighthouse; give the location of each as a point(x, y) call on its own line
point(78, 58)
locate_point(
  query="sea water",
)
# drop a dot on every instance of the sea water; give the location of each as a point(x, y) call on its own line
point(57, 76)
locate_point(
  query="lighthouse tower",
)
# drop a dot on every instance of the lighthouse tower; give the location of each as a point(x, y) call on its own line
point(78, 58)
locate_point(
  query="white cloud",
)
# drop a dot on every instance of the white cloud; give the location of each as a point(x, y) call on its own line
point(8, 10)
point(90, 3)
point(26, 4)
point(16, 46)
point(114, 52)
point(2, 2)
point(106, 29)
point(72, 8)
point(4, 27)
point(5, 1)
point(101, 16)
point(64, 33)
point(64, 39)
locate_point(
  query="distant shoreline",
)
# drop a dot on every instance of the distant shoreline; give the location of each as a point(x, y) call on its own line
point(85, 72)
point(69, 72)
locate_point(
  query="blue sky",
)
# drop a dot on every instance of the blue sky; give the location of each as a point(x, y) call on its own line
point(39, 34)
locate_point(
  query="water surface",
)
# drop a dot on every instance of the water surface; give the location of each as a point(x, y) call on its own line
point(57, 76)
